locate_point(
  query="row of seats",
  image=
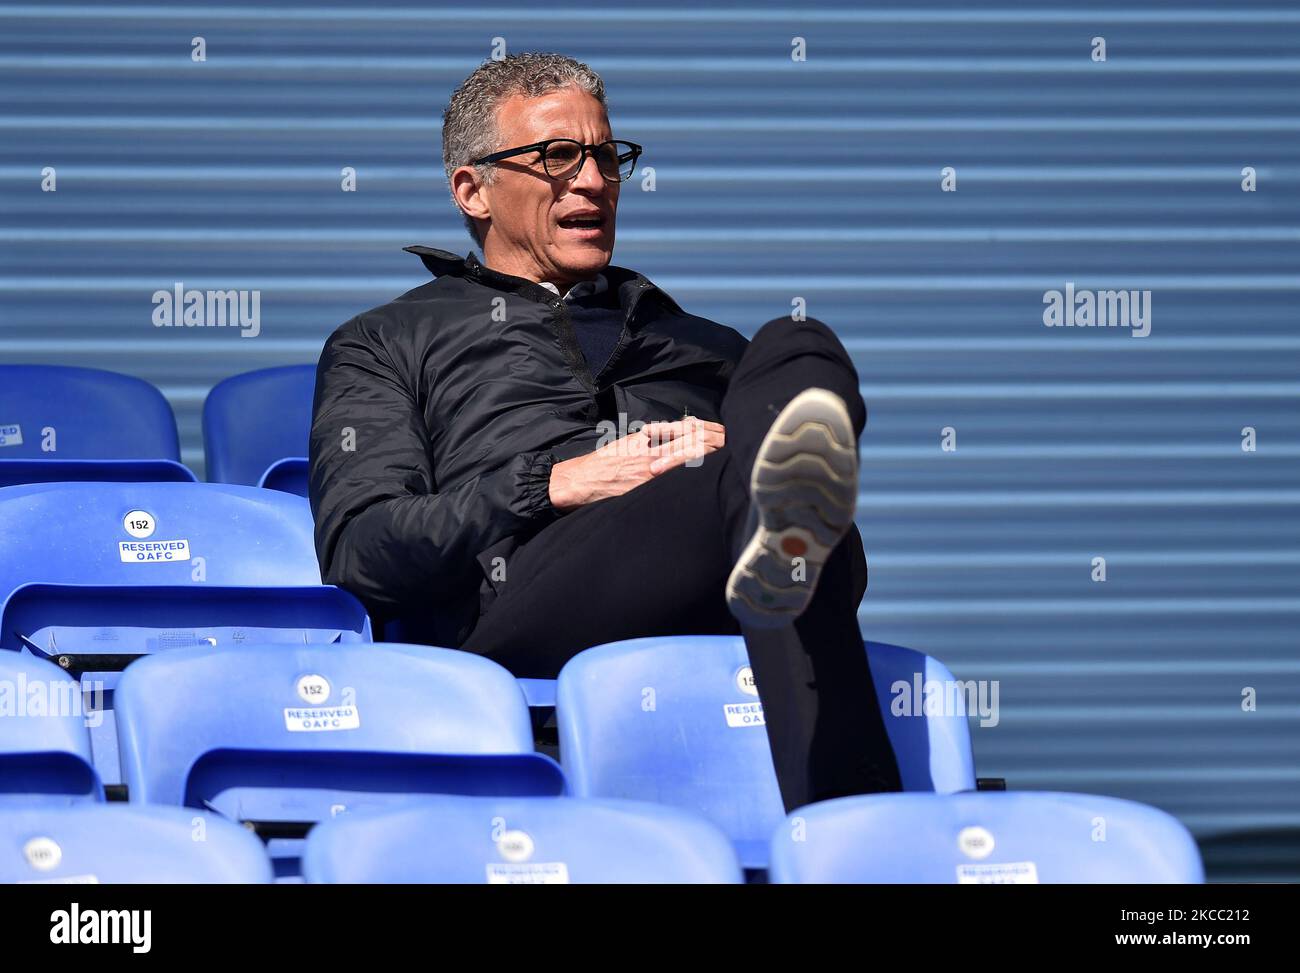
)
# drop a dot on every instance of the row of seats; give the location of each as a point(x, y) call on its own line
point(889, 838)
point(341, 725)
point(371, 740)
point(193, 619)
point(60, 423)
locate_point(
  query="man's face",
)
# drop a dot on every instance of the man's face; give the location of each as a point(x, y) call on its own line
point(532, 233)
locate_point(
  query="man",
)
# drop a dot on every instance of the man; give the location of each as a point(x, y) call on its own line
point(480, 477)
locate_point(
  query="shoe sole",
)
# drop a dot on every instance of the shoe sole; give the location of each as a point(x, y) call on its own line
point(804, 488)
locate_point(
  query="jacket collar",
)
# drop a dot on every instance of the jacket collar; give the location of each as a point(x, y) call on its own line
point(442, 263)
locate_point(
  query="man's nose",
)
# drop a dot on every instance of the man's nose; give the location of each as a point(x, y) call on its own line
point(589, 180)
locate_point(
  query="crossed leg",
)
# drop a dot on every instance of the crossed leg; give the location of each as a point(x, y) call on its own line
point(656, 560)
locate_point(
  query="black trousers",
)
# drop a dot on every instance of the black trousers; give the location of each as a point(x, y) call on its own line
point(655, 561)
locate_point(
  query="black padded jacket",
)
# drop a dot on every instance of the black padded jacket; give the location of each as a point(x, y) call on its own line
point(437, 418)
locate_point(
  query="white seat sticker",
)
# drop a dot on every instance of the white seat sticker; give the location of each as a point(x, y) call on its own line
point(43, 853)
point(976, 842)
point(515, 846)
point(745, 681)
point(11, 435)
point(139, 524)
point(321, 719)
point(1010, 873)
point(530, 873)
point(313, 688)
point(154, 552)
point(744, 714)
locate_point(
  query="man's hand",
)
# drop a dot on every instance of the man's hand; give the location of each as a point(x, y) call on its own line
point(618, 467)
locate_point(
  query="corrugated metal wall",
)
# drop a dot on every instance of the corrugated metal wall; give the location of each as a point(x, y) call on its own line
point(818, 179)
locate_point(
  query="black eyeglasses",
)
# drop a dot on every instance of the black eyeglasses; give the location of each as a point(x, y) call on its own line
point(564, 158)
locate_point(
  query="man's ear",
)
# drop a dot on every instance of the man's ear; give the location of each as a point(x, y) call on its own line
point(468, 189)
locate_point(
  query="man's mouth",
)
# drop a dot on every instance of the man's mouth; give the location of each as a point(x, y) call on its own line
point(590, 223)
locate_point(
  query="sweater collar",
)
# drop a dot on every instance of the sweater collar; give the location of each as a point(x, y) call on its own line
point(583, 288)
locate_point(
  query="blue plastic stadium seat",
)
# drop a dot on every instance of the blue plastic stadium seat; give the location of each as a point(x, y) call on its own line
point(700, 744)
point(233, 565)
point(118, 844)
point(540, 693)
point(80, 533)
point(287, 736)
point(240, 446)
point(983, 838)
point(64, 423)
point(45, 752)
point(288, 475)
point(532, 841)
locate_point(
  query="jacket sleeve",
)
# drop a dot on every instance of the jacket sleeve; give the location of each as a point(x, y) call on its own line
point(383, 531)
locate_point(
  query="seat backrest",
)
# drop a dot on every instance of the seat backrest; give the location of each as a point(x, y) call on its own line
point(534, 841)
point(925, 710)
point(239, 443)
point(118, 843)
point(676, 721)
point(45, 749)
point(289, 475)
point(280, 733)
point(57, 412)
point(984, 838)
point(154, 534)
point(14, 472)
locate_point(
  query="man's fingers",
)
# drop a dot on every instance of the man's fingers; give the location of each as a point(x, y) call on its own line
point(666, 431)
point(676, 453)
point(665, 463)
point(689, 446)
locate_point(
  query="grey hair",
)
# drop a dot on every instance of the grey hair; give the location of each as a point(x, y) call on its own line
point(469, 128)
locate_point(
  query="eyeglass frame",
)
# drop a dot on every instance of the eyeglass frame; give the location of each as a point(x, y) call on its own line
point(587, 153)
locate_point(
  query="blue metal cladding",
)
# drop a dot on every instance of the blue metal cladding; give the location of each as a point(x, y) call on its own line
point(821, 179)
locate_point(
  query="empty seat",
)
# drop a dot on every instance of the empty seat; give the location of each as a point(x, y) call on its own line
point(983, 838)
point(45, 752)
point(94, 575)
point(152, 534)
point(116, 843)
point(700, 743)
point(288, 476)
point(283, 736)
point(532, 841)
point(241, 446)
point(64, 423)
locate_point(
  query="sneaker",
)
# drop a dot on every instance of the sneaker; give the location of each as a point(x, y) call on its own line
point(804, 489)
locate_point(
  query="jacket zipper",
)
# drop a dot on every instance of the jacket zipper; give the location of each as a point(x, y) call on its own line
point(626, 334)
